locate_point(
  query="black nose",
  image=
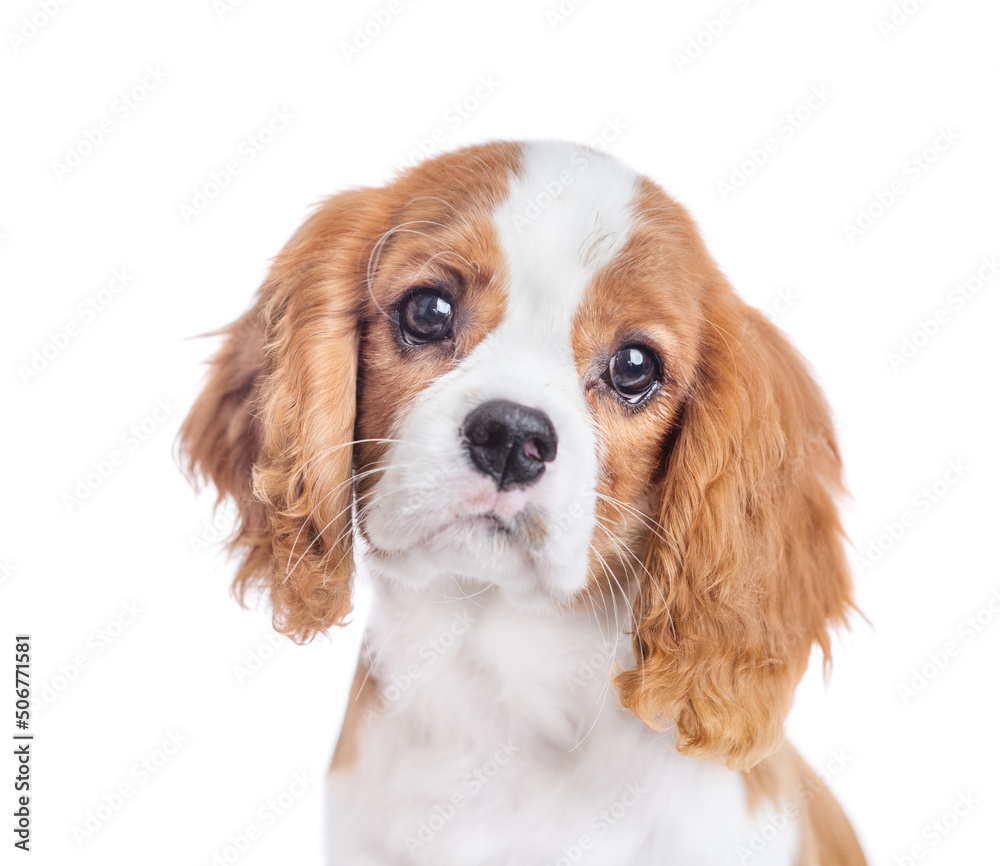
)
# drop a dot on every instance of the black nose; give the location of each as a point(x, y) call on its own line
point(509, 442)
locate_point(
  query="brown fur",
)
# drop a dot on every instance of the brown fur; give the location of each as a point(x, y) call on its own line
point(647, 295)
point(275, 424)
point(785, 783)
point(278, 412)
point(363, 690)
point(749, 569)
point(743, 566)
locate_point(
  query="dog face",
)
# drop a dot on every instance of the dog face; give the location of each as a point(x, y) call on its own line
point(518, 366)
point(501, 357)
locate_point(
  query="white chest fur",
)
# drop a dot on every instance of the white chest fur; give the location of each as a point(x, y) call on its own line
point(495, 738)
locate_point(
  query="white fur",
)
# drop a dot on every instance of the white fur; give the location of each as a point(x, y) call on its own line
point(486, 687)
point(513, 711)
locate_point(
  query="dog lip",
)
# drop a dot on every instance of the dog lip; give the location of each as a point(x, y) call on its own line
point(492, 520)
point(488, 522)
point(528, 528)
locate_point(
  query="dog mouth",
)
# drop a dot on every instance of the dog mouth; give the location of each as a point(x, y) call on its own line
point(491, 522)
point(472, 520)
point(526, 528)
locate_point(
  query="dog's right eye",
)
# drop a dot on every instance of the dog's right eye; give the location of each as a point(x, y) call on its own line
point(425, 316)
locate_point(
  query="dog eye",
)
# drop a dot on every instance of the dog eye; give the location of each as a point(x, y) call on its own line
point(633, 372)
point(425, 317)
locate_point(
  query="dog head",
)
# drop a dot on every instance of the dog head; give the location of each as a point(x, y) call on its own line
point(518, 365)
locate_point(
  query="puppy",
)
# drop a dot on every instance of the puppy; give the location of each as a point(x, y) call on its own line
point(593, 490)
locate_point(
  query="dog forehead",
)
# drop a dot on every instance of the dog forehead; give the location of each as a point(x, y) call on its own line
point(566, 216)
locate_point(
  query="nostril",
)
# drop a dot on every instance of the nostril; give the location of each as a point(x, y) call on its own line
point(489, 435)
point(531, 449)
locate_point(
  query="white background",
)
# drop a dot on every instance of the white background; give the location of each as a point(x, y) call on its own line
point(848, 303)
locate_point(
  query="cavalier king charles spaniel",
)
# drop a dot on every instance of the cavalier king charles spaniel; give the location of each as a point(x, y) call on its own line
point(595, 495)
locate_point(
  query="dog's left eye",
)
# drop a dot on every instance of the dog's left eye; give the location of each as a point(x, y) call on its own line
point(633, 372)
point(425, 317)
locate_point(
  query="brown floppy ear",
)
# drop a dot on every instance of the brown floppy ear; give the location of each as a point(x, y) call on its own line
point(274, 426)
point(749, 569)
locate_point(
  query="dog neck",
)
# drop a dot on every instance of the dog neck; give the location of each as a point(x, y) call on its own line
point(448, 653)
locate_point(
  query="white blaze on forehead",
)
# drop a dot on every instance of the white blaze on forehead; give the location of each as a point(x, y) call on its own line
point(566, 216)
